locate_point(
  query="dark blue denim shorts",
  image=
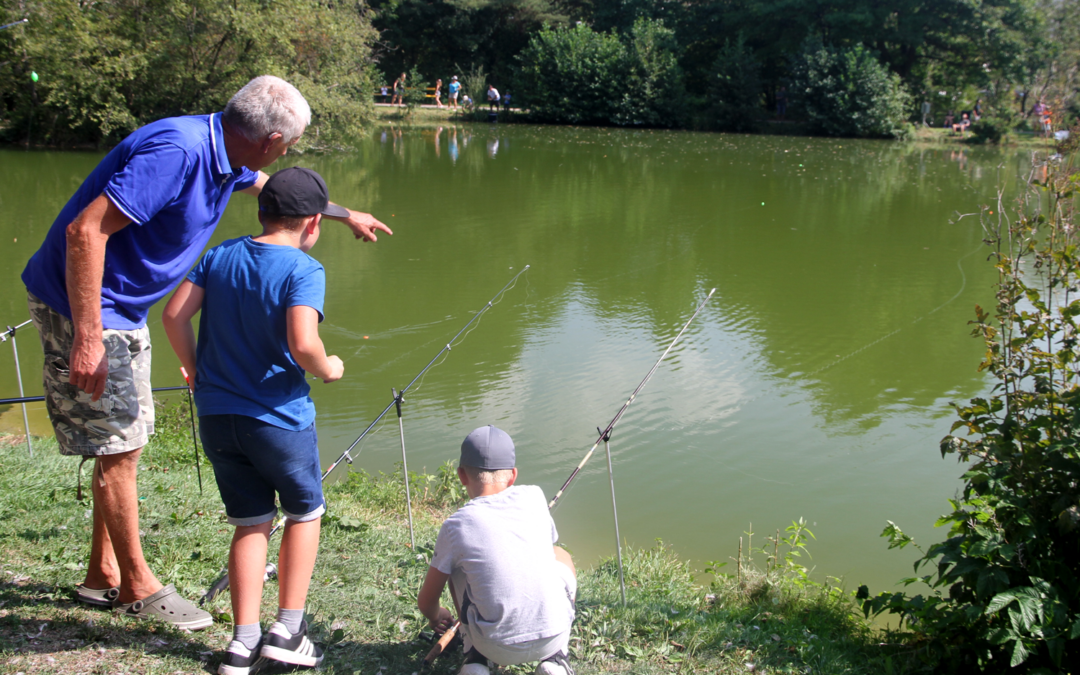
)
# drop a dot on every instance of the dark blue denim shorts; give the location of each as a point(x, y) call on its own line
point(253, 460)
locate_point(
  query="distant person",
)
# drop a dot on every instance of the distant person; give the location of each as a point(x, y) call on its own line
point(438, 93)
point(962, 125)
point(383, 92)
point(1045, 117)
point(454, 88)
point(950, 117)
point(467, 102)
point(781, 103)
point(399, 91)
point(506, 101)
point(976, 111)
point(512, 588)
point(260, 437)
point(925, 112)
point(493, 98)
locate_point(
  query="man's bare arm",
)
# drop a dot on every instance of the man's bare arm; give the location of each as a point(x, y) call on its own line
point(363, 225)
point(86, 239)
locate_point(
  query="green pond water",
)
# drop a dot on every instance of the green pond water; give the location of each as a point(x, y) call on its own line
point(815, 384)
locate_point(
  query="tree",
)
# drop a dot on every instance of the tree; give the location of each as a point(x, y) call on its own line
point(580, 76)
point(847, 92)
point(735, 90)
point(106, 68)
point(440, 36)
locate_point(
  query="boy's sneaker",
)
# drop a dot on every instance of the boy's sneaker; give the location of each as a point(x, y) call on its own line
point(239, 660)
point(297, 649)
point(474, 669)
point(556, 664)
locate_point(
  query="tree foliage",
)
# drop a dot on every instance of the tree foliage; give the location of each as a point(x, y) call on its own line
point(580, 76)
point(106, 68)
point(735, 93)
point(1006, 583)
point(847, 92)
point(439, 37)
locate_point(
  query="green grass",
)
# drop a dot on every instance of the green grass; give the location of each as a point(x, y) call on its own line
point(362, 604)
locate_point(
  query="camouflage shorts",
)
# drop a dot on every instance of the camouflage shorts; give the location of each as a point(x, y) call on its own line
point(123, 418)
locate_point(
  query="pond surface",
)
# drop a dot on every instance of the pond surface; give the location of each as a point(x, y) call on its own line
point(815, 384)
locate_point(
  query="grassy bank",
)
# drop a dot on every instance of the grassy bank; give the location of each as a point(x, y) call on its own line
point(363, 599)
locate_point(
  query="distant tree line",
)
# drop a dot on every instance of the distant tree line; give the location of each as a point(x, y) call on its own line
point(88, 72)
point(847, 67)
point(843, 67)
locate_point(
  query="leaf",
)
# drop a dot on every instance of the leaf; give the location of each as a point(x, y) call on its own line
point(1019, 654)
point(999, 602)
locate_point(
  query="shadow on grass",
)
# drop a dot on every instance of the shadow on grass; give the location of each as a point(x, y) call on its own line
point(43, 629)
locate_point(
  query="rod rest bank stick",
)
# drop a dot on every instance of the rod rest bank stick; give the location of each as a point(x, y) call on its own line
point(606, 433)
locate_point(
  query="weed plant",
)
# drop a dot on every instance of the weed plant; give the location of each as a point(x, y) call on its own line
point(767, 618)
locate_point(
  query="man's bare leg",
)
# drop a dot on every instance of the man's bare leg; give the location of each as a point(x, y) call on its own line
point(102, 571)
point(116, 496)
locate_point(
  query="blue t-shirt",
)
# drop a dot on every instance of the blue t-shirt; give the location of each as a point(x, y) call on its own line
point(454, 87)
point(243, 359)
point(173, 179)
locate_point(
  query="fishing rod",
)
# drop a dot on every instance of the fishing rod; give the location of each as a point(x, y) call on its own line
point(10, 334)
point(39, 399)
point(223, 581)
point(14, 23)
point(605, 438)
point(191, 410)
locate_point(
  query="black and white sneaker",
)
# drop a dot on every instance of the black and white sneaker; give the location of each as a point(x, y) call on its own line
point(239, 660)
point(297, 649)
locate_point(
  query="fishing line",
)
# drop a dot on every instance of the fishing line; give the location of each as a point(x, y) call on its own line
point(223, 581)
point(605, 437)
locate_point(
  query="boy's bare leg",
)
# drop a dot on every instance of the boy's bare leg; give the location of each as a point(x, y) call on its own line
point(562, 556)
point(247, 565)
point(116, 498)
point(296, 562)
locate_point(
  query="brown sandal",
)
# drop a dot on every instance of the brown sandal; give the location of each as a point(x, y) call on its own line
point(167, 605)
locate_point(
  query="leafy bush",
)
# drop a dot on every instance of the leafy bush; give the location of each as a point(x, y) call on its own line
point(1006, 584)
point(995, 126)
point(576, 75)
point(847, 92)
point(107, 68)
point(735, 91)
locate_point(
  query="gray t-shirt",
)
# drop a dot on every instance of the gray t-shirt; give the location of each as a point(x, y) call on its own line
point(498, 553)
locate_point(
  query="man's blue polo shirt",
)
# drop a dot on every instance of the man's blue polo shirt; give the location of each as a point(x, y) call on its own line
point(173, 179)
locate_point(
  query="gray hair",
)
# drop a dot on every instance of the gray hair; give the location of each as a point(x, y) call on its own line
point(486, 477)
point(268, 105)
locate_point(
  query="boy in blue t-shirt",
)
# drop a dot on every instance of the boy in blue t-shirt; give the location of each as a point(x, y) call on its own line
point(261, 300)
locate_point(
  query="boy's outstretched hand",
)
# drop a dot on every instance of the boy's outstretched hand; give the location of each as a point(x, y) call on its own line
point(337, 369)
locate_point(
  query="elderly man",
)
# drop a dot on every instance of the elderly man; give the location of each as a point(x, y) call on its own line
point(124, 240)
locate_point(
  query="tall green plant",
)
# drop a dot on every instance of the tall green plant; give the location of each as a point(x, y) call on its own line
point(1006, 583)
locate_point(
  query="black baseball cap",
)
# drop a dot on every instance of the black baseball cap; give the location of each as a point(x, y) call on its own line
point(297, 192)
point(488, 448)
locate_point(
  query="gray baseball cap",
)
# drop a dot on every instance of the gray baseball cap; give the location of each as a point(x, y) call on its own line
point(488, 448)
